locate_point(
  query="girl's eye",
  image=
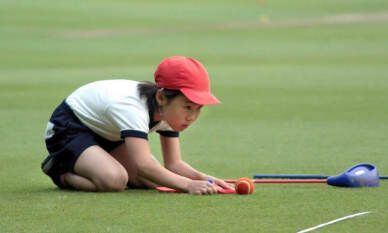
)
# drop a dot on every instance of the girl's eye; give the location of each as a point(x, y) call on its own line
point(188, 107)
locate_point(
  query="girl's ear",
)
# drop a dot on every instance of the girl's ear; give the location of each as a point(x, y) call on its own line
point(160, 98)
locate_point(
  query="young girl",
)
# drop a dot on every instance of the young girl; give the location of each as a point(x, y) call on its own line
point(97, 137)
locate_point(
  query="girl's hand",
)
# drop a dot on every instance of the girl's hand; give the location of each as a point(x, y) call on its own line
point(201, 187)
point(220, 183)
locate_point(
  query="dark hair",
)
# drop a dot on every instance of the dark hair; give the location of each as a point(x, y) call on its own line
point(148, 91)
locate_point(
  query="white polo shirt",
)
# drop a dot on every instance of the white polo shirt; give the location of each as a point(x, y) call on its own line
point(114, 110)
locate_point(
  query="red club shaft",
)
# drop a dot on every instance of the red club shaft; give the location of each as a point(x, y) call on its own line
point(282, 181)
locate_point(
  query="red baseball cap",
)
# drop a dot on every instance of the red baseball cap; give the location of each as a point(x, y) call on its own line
point(186, 75)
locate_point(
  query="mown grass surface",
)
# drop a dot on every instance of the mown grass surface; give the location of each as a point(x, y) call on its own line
point(300, 93)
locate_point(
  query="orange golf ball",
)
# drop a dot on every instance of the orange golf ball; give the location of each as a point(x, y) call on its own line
point(244, 186)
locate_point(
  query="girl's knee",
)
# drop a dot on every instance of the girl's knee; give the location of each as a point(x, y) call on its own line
point(112, 181)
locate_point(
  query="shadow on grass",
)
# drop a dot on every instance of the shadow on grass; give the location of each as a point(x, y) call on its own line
point(44, 190)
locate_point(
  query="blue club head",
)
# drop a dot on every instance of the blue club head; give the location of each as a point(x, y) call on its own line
point(360, 175)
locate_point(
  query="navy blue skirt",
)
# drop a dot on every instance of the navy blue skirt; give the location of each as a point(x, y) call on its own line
point(66, 139)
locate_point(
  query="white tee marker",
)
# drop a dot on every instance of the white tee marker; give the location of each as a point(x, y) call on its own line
point(333, 221)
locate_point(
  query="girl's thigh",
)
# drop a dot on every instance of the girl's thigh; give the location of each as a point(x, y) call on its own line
point(121, 155)
point(100, 167)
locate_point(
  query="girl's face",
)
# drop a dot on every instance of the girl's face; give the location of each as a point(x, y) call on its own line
point(179, 112)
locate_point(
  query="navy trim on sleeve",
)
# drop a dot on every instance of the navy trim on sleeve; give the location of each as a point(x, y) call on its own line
point(170, 134)
point(133, 133)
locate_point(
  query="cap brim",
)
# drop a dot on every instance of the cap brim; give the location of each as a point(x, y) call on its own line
point(200, 97)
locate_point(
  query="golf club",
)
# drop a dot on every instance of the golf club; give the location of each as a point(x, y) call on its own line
point(360, 175)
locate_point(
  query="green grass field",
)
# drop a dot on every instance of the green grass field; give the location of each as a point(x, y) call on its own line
point(304, 86)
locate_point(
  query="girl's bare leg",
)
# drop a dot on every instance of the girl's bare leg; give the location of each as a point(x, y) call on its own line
point(121, 155)
point(97, 170)
point(78, 182)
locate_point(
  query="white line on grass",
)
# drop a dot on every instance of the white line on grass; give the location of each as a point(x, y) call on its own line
point(333, 221)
